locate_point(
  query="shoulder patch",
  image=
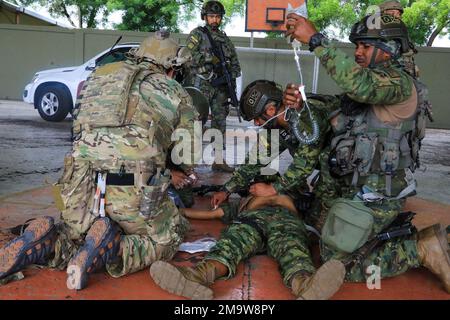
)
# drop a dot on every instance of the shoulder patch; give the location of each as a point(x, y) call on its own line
point(191, 45)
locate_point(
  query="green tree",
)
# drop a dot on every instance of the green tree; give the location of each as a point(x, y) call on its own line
point(425, 19)
point(151, 15)
point(79, 13)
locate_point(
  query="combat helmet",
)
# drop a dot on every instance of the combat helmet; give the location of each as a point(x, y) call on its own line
point(161, 50)
point(391, 5)
point(256, 96)
point(214, 7)
point(380, 31)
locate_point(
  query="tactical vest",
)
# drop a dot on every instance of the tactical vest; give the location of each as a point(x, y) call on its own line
point(111, 99)
point(364, 145)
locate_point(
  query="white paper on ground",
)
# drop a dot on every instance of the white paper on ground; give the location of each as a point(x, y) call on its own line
point(200, 245)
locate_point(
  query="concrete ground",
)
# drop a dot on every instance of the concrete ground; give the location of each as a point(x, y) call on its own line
point(32, 152)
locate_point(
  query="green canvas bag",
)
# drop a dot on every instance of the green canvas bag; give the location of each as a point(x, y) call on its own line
point(348, 225)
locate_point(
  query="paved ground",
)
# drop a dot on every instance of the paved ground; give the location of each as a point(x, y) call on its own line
point(32, 152)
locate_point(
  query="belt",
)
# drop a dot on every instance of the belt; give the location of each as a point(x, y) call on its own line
point(116, 179)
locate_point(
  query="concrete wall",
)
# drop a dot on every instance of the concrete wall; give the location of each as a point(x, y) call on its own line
point(28, 49)
point(10, 16)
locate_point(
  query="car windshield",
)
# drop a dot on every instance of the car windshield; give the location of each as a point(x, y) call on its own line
point(113, 56)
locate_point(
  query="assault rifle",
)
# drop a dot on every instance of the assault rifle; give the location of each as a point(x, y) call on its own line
point(226, 78)
point(401, 226)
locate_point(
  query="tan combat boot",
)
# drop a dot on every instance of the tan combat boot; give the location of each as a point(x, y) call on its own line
point(189, 282)
point(224, 167)
point(432, 247)
point(322, 285)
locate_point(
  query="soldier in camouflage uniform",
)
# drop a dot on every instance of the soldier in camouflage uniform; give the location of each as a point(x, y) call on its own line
point(122, 126)
point(205, 70)
point(374, 149)
point(395, 9)
point(258, 224)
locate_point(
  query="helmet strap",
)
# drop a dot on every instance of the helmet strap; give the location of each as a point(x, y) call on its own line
point(372, 59)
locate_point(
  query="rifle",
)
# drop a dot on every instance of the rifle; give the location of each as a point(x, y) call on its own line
point(401, 226)
point(226, 78)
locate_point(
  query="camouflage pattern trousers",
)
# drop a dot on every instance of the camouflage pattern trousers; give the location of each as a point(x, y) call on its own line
point(393, 257)
point(218, 102)
point(143, 241)
point(273, 229)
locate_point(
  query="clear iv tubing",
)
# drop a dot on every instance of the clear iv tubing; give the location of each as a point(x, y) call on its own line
point(294, 117)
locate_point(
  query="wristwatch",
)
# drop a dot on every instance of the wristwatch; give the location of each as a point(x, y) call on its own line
point(316, 41)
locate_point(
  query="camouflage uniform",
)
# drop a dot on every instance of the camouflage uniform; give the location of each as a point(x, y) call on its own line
point(273, 229)
point(150, 111)
point(206, 65)
point(385, 85)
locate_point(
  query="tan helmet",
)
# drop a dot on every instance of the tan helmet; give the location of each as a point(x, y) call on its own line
point(161, 50)
point(391, 5)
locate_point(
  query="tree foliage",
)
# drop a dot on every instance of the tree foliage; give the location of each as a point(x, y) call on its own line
point(79, 13)
point(425, 19)
point(151, 15)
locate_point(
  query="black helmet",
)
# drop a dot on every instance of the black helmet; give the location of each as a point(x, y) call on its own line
point(214, 7)
point(256, 96)
point(388, 29)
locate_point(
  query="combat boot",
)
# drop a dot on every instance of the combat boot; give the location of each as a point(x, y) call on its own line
point(432, 247)
point(223, 167)
point(322, 285)
point(101, 246)
point(34, 246)
point(189, 282)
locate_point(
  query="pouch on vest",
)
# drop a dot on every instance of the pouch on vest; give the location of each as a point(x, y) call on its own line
point(365, 147)
point(105, 98)
point(153, 196)
point(344, 154)
point(348, 225)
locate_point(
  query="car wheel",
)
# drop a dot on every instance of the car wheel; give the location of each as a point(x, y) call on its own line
point(53, 103)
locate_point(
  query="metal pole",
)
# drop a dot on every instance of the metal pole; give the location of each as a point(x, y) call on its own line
point(251, 39)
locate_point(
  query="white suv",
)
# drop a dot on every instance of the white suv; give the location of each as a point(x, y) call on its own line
point(53, 92)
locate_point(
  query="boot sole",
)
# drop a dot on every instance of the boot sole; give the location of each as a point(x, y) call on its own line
point(172, 280)
point(36, 230)
point(326, 281)
point(77, 273)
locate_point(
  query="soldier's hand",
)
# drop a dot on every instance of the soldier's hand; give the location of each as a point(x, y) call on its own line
point(218, 198)
point(179, 179)
point(261, 189)
point(292, 97)
point(299, 28)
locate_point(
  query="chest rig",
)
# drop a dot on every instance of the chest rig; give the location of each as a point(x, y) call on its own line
point(364, 145)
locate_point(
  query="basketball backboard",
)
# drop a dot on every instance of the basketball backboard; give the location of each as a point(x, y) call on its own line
point(268, 15)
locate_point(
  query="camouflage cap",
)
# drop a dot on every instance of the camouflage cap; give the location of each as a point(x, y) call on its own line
point(391, 5)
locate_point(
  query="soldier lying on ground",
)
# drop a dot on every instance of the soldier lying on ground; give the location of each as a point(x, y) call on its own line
point(268, 223)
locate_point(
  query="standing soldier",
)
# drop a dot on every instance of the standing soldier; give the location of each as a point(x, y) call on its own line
point(206, 69)
point(116, 213)
point(395, 9)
